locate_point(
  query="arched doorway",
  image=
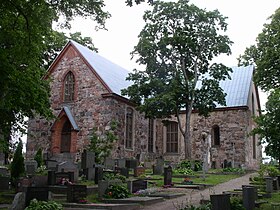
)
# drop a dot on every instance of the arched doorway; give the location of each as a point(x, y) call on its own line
point(65, 143)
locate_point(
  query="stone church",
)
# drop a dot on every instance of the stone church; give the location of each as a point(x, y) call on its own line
point(86, 95)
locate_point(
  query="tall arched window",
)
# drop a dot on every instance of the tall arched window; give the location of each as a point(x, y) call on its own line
point(69, 84)
point(172, 137)
point(65, 143)
point(129, 128)
point(216, 135)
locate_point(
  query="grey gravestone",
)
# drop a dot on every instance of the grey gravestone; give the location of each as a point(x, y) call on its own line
point(69, 166)
point(30, 167)
point(51, 164)
point(98, 174)
point(88, 159)
point(168, 175)
point(221, 201)
point(110, 163)
point(40, 193)
point(51, 178)
point(89, 173)
point(18, 202)
point(249, 196)
point(136, 185)
point(131, 163)
point(158, 167)
point(121, 163)
point(76, 193)
point(269, 184)
point(4, 171)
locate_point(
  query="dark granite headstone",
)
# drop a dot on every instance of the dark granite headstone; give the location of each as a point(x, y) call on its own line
point(40, 193)
point(51, 178)
point(4, 183)
point(248, 195)
point(168, 175)
point(122, 171)
point(136, 185)
point(98, 174)
point(131, 163)
point(76, 193)
point(88, 159)
point(220, 201)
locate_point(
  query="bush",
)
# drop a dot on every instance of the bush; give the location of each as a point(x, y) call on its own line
point(116, 192)
point(235, 170)
point(111, 176)
point(39, 157)
point(38, 205)
point(236, 204)
point(184, 171)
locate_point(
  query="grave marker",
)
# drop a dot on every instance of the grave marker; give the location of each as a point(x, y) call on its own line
point(40, 193)
point(88, 159)
point(168, 175)
point(220, 201)
point(76, 193)
point(136, 185)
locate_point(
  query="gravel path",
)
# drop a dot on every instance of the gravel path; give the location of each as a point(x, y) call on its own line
point(194, 196)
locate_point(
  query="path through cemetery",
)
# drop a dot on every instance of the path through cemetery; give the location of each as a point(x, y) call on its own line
point(194, 196)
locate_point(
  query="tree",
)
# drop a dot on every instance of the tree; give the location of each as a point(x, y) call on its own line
point(265, 54)
point(17, 166)
point(131, 2)
point(268, 125)
point(102, 142)
point(26, 31)
point(177, 45)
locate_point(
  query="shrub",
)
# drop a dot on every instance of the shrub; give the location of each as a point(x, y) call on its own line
point(184, 171)
point(235, 170)
point(38, 205)
point(111, 176)
point(236, 204)
point(39, 157)
point(116, 192)
point(17, 166)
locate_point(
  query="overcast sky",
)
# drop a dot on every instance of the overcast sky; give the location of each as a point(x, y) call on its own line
point(245, 22)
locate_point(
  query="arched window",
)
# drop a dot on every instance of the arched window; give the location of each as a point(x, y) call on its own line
point(65, 143)
point(172, 137)
point(216, 135)
point(69, 84)
point(129, 128)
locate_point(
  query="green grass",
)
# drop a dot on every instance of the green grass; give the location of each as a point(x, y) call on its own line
point(275, 199)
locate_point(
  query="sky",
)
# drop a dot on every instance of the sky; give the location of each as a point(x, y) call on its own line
point(245, 19)
point(245, 22)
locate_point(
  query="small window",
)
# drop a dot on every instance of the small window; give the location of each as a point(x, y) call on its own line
point(129, 128)
point(151, 136)
point(216, 135)
point(69, 84)
point(172, 137)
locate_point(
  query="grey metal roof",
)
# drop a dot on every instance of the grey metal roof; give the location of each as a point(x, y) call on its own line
point(237, 88)
point(112, 74)
point(71, 118)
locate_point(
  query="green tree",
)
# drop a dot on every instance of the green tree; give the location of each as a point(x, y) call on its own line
point(17, 165)
point(265, 54)
point(26, 33)
point(177, 45)
point(268, 125)
point(102, 142)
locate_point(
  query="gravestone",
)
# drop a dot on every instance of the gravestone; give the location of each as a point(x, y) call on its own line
point(89, 173)
point(122, 171)
point(40, 193)
point(51, 165)
point(110, 164)
point(269, 184)
point(131, 163)
point(51, 178)
point(121, 163)
point(168, 175)
point(136, 185)
point(18, 202)
point(220, 201)
point(30, 166)
point(4, 171)
point(76, 193)
point(158, 167)
point(88, 159)
point(59, 176)
point(69, 166)
point(98, 174)
point(104, 184)
point(4, 183)
point(275, 183)
point(249, 196)
point(138, 171)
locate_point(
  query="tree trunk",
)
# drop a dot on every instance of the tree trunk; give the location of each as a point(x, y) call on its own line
point(187, 136)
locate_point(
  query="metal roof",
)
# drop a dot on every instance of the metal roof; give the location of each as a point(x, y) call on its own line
point(71, 118)
point(237, 88)
point(112, 74)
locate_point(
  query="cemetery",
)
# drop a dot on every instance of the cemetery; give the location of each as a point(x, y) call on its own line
point(129, 184)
